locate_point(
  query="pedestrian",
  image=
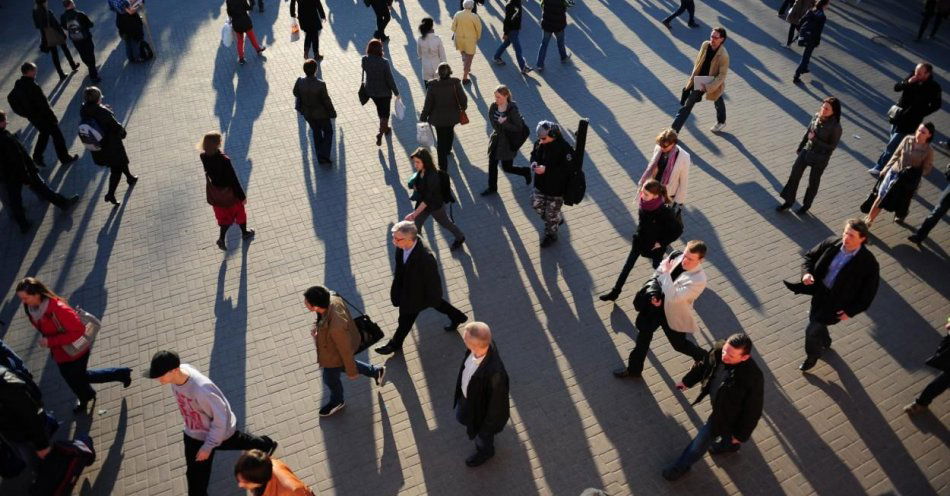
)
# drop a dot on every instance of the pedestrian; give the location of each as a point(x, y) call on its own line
point(657, 227)
point(474, 7)
point(430, 50)
point(317, 108)
point(416, 286)
point(938, 10)
point(511, 29)
point(379, 85)
point(78, 27)
point(52, 36)
point(712, 65)
point(481, 403)
point(223, 189)
point(112, 152)
point(552, 163)
point(261, 475)
point(815, 149)
point(23, 419)
point(28, 100)
point(940, 361)
point(311, 20)
point(809, 36)
point(131, 28)
point(734, 384)
point(901, 176)
point(467, 27)
point(939, 210)
point(65, 335)
point(670, 166)
point(210, 425)
point(444, 104)
point(427, 183)
point(920, 96)
point(674, 286)
point(260, 5)
point(783, 8)
point(381, 9)
point(553, 22)
point(507, 124)
point(18, 169)
point(685, 6)
point(841, 275)
point(794, 18)
point(241, 24)
point(337, 338)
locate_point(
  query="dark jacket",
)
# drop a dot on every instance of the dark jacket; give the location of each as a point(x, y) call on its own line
point(131, 26)
point(811, 27)
point(31, 97)
point(84, 25)
point(499, 144)
point(827, 136)
point(445, 98)
point(737, 407)
point(311, 14)
point(512, 20)
point(854, 287)
point(43, 17)
point(219, 170)
point(22, 417)
point(554, 15)
point(237, 11)
point(429, 187)
point(487, 402)
point(315, 101)
point(113, 151)
point(658, 226)
point(556, 157)
point(16, 166)
point(379, 77)
point(416, 283)
point(918, 100)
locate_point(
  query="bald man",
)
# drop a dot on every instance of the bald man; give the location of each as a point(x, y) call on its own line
point(481, 392)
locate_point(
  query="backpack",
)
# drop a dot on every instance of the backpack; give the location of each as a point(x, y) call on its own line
point(18, 103)
point(577, 181)
point(75, 30)
point(90, 134)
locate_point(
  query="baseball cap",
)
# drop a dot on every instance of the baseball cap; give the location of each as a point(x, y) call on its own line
point(162, 362)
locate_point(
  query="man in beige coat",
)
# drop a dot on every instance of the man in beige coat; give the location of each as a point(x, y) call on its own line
point(337, 338)
point(712, 62)
point(467, 27)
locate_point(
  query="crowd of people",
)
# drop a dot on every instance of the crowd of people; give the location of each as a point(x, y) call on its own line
point(841, 274)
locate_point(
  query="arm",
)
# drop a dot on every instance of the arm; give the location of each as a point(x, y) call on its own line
point(389, 79)
point(498, 404)
point(720, 78)
point(696, 372)
point(687, 292)
point(323, 13)
point(112, 126)
point(898, 154)
point(928, 163)
point(426, 106)
point(513, 122)
point(460, 94)
point(650, 171)
point(934, 103)
point(433, 283)
point(751, 410)
point(297, 87)
point(85, 21)
point(441, 51)
point(220, 419)
point(69, 319)
point(801, 144)
point(327, 103)
point(338, 334)
point(868, 289)
point(684, 180)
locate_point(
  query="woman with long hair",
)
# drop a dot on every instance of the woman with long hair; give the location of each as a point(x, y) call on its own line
point(430, 50)
point(241, 24)
point(819, 141)
point(223, 189)
point(427, 184)
point(52, 36)
point(379, 85)
point(900, 178)
point(505, 120)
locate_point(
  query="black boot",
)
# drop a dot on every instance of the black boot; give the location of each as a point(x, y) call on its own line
point(611, 296)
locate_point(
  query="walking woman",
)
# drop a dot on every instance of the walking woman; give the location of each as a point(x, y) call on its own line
point(428, 194)
point(111, 151)
point(900, 178)
point(241, 23)
point(63, 333)
point(820, 140)
point(511, 30)
point(52, 36)
point(467, 27)
point(794, 17)
point(311, 20)
point(507, 124)
point(430, 50)
point(445, 101)
point(657, 227)
point(551, 162)
point(379, 85)
point(669, 165)
point(223, 190)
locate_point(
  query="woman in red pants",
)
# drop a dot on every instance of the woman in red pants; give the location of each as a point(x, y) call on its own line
point(224, 191)
point(241, 23)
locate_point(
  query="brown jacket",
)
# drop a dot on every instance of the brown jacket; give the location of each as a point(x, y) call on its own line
point(718, 68)
point(283, 482)
point(336, 337)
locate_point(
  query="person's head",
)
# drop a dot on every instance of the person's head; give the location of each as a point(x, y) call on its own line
point(820, 4)
point(547, 132)
point(694, 255)
point(444, 70)
point(374, 47)
point(468, 4)
point(422, 159)
point(32, 291)
point(652, 189)
point(210, 143)
point(737, 349)
point(253, 470)
point(830, 108)
point(667, 139)
point(477, 337)
point(855, 233)
point(68, 4)
point(310, 67)
point(404, 234)
point(425, 27)
point(923, 71)
point(316, 299)
point(717, 37)
point(28, 69)
point(502, 95)
point(925, 132)
point(3, 120)
point(165, 368)
point(92, 95)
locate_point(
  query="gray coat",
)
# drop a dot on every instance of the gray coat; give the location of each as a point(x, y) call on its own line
point(827, 136)
point(379, 77)
point(315, 102)
point(444, 99)
point(498, 144)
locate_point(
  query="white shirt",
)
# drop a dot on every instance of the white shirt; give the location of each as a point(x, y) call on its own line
point(405, 253)
point(471, 365)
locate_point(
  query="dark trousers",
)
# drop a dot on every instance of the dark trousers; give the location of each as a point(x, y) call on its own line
point(926, 20)
point(79, 378)
point(685, 6)
point(331, 379)
point(647, 322)
point(311, 40)
point(322, 137)
point(484, 442)
point(442, 217)
point(116, 172)
point(87, 53)
point(936, 386)
point(407, 319)
point(444, 137)
point(806, 57)
point(45, 130)
point(814, 179)
point(506, 165)
point(198, 474)
point(383, 106)
point(382, 19)
point(54, 53)
point(687, 108)
point(792, 28)
point(817, 338)
point(656, 256)
point(940, 209)
point(42, 190)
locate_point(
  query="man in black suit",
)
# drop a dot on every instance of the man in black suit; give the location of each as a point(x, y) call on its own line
point(841, 275)
point(481, 392)
point(28, 100)
point(416, 285)
point(313, 102)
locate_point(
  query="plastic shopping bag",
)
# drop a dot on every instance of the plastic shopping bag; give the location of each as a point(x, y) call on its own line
point(294, 31)
point(227, 34)
point(424, 134)
point(399, 109)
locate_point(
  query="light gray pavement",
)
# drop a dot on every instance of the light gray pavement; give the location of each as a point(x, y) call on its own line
point(151, 269)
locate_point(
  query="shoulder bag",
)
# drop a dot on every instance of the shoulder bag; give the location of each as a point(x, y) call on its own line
point(84, 343)
point(370, 333)
point(463, 117)
point(364, 96)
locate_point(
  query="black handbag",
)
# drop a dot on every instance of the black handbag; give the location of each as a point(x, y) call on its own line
point(872, 196)
point(370, 333)
point(940, 360)
point(364, 97)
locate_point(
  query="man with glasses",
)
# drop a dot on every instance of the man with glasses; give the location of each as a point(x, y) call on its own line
point(708, 78)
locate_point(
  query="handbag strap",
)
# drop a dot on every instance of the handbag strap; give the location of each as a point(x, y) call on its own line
point(350, 304)
point(458, 103)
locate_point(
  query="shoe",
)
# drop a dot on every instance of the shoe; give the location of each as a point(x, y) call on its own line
point(261, 50)
point(806, 71)
point(915, 408)
point(567, 59)
point(796, 80)
point(808, 364)
point(874, 171)
point(783, 207)
point(898, 220)
point(548, 241)
point(478, 458)
point(389, 349)
point(221, 245)
point(718, 127)
point(380, 376)
point(82, 407)
point(625, 373)
point(489, 191)
point(457, 243)
point(242, 61)
point(672, 473)
point(248, 234)
point(693, 25)
point(74, 67)
point(111, 199)
point(791, 287)
point(726, 446)
point(499, 62)
point(69, 159)
point(802, 210)
point(62, 75)
point(379, 139)
point(127, 380)
point(131, 180)
point(70, 202)
point(527, 178)
point(526, 70)
point(330, 409)
point(454, 325)
point(466, 82)
point(668, 25)
point(915, 239)
point(611, 296)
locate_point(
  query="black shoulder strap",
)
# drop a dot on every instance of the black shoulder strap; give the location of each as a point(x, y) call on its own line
point(350, 304)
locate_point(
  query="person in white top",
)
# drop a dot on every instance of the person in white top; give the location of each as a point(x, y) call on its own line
point(481, 392)
point(669, 165)
point(430, 50)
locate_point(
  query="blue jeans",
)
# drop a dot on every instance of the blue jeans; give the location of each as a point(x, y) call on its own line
point(940, 209)
point(890, 147)
point(484, 443)
point(544, 46)
point(331, 378)
point(79, 378)
point(512, 40)
point(687, 108)
point(696, 449)
point(806, 57)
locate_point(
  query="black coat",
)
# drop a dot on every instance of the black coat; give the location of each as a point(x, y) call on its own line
point(918, 100)
point(658, 226)
point(445, 99)
point(429, 187)
point(737, 407)
point(813, 23)
point(853, 289)
point(556, 157)
point(487, 402)
point(310, 15)
point(22, 417)
point(42, 18)
point(416, 283)
point(315, 103)
point(237, 11)
point(85, 25)
point(16, 166)
point(512, 20)
point(220, 171)
point(499, 143)
point(554, 15)
point(112, 153)
point(32, 98)
point(378, 77)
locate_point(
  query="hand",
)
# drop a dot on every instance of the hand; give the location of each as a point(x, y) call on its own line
point(504, 37)
point(44, 342)
point(539, 169)
point(43, 452)
point(811, 135)
point(912, 79)
point(681, 386)
point(244, 201)
point(202, 455)
point(656, 245)
point(411, 217)
point(502, 120)
point(655, 301)
point(808, 279)
point(352, 377)
point(735, 441)
point(842, 316)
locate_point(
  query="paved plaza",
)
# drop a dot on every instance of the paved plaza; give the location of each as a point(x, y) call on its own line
point(151, 269)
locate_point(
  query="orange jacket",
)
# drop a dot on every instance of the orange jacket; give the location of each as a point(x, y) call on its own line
point(283, 482)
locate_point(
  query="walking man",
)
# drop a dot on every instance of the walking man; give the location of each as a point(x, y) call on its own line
point(939, 210)
point(315, 105)
point(416, 286)
point(685, 6)
point(940, 360)
point(481, 392)
point(920, 97)
point(668, 303)
point(210, 425)
point(553, 21)
point(511, 30)
point(381, 9)
point(734, 384)
point(552, 162)
point(78, 26)
point(708, 78)
point(311, 20)
point(841, 275)
point(28, 100)
point(809, 36)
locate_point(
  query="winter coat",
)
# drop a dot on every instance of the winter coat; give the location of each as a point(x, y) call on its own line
point(737, 406)
point(910, 162)
point(315, 103)
point(468, 29)
point(678, 184)
point(84, 25)
point(431, 52)
point(429, 187)
point(22, 417)
point(499, 144)
point(853, 289)
point(556, 157)
point(416, 282)
point(718, 68)
point(798, 10)
point(16, 165)
point(310, 16)
point(487, 400)
point(72, 329)
point(553, 15)
point(31, 96)
point(220, 171)
point(336, 337)
point(820, 148)
point(112, 153)
point(512, 20)
point(917, 101)
point(43, 18)
point(378, 80)
point(238, 12)
point(657, 226)
point(679, 295)
point(811, 27)
point(445, 98)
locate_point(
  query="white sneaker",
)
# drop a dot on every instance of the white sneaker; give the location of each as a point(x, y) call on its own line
point(718, 127)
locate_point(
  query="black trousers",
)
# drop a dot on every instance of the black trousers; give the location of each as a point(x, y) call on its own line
point(42, 190)
point(382, 19)
point(116, 171)
point(444, 137)
point(934, 388)
point(407, 319)
point(926, 20)
point(54, 53)
point(311, 39)
point(647, 322)
point(656, 256)
point(814, 179)
point(45, 131)
point(817, 338)
point(507, 166)
point(198, 474)
point(87, 53)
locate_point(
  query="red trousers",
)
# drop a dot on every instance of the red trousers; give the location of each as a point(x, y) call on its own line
point(240, 42)
point(234, 214)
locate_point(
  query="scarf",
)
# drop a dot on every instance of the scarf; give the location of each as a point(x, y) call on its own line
point(651, 170)
point(651, 205)
point(36, 313)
